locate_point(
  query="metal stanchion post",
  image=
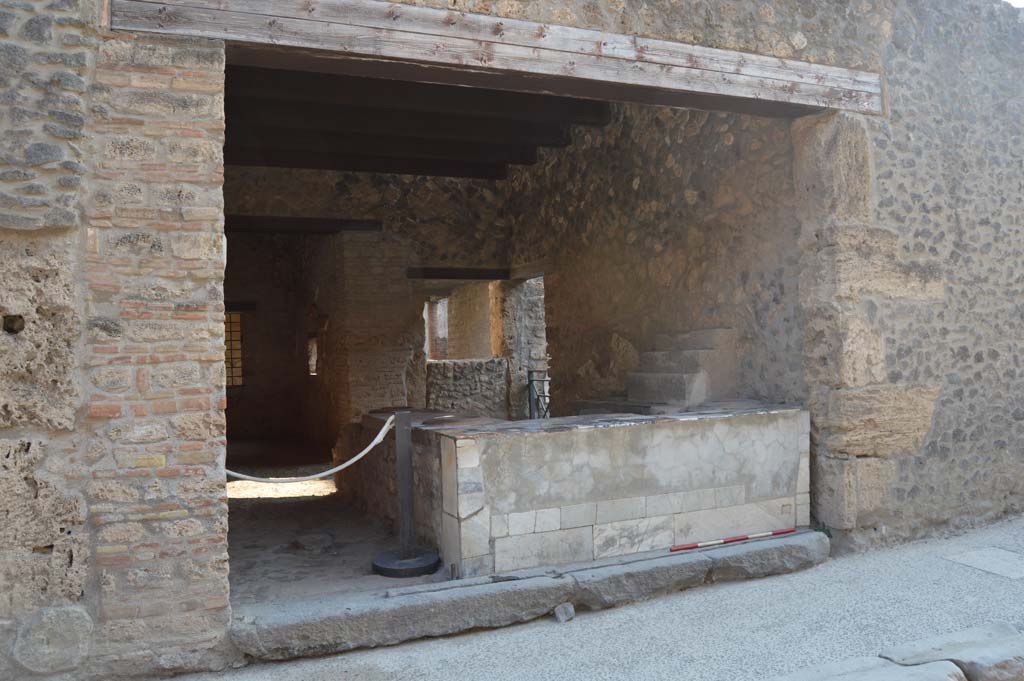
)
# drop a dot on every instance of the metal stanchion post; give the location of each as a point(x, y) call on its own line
point(408, 560)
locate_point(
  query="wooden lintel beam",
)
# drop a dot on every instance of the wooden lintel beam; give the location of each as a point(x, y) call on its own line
point(338, 90)
point(235, 223)
point(459, 273)
point(376, 146)
point(269, 112)
point(363, 164)
point(499, 47)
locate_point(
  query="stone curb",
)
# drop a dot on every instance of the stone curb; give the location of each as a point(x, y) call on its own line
point(992, 652)
point(335, 624)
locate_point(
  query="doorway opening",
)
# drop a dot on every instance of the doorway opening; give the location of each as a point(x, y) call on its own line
point(433, 248)
point(368, 270)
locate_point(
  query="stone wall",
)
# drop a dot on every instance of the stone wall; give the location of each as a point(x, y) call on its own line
point(666, 221)
point(113, 556)
point(471, 386)
point(915, 224)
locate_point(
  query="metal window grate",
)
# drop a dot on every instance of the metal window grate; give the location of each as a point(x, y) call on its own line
point(233, 348)
point(540, 394)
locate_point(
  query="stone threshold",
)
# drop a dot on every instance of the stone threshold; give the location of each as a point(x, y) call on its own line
point(336, 623)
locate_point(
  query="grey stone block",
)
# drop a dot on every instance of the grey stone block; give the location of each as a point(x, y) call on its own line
point(564, 612)
point(335, 624)
point(617, 584)
point(992, 652)
point(54, 640)
point(938, 647)
point(876, 669)
point(993, 661)
point(769, 557)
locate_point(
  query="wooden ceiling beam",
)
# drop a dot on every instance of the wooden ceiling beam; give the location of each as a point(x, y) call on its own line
point(269, 224)
point(459, 273)
point(269, 112)
point(336, 90)
point(243, 156)
point(375, 146)
point(465, 43)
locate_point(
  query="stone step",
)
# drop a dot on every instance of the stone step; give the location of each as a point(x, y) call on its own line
point(700, 339)
point(674, 361)
point(686, 388)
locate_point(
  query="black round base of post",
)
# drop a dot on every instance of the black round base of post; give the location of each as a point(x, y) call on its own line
point(391, 564)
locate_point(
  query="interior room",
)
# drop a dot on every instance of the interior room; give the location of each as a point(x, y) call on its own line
point(485, 258)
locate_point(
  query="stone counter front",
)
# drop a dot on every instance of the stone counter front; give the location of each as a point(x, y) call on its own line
point(525, 494)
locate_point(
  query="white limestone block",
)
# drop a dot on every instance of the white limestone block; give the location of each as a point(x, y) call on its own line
point(803, 479)
point(475, 534)
point(720, 523)
point(449, 478)
point(499, 525)
point(543, 548)
point(621, 509)
point(578, 515)
point(451, 549)
point(734, 495)
point(633, 536)
point(467, 454)
point(470, 491)
point(521, 523)
point(548, 520)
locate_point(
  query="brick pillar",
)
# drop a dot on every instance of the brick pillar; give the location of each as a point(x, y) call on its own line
point(153, 263)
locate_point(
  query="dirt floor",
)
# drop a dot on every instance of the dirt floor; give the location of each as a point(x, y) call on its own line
point(299, 539)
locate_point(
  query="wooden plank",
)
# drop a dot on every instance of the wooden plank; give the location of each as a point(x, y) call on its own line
point(377, 146)
point(371, 92)
point(320, 61)
point(235, 223)
point(362, 164)
point(274, 113)
point(459, 273)
point(487, 28)
point(475, 54)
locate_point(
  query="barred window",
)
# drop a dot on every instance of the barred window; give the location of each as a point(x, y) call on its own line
point(233, 348)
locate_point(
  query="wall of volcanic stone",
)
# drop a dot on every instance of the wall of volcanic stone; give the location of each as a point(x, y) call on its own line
point(667, 220)
point(113, 553)
point(916, 220)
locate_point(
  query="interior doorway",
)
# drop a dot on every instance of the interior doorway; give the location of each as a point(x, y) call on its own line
point(352, 206)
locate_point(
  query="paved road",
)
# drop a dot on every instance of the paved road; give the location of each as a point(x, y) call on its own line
point(850, 606)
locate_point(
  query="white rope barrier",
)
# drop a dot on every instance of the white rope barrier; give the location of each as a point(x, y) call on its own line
point(376, 441)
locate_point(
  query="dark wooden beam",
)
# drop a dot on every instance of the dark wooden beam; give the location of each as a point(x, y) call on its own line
point(336, 90)
point(267, 112)
point(234, 223)
point(320, 61)
point(375, 146)
point(363, 164)
point(466, 43)
point(459, 273)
